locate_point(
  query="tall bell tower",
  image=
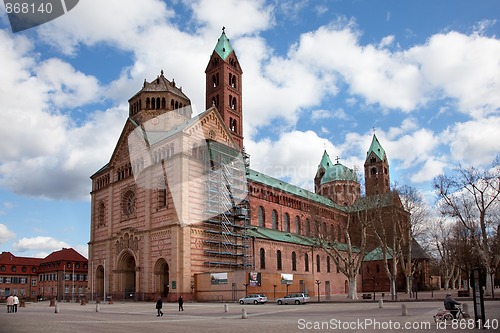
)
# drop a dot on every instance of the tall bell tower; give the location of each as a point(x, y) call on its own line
point(223, 87)
point(377, 177)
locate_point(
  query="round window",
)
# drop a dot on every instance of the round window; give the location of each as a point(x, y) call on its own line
point(128, 203)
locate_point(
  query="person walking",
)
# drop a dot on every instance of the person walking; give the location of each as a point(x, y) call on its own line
point(159, 305)
point(181, 303)
point(10, 303)
point(16, 303)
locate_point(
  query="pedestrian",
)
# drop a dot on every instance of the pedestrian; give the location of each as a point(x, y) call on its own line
point(450, 305)
point(10, 303)
point(16, 303)
point(159, 305)
point(181, 303)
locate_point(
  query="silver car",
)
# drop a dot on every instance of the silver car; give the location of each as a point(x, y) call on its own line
point(254, 299)
point(300, 298)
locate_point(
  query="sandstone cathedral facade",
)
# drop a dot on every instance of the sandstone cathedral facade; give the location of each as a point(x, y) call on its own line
point(178, 210)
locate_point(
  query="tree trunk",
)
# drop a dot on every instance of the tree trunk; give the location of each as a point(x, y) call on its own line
point(352, 292)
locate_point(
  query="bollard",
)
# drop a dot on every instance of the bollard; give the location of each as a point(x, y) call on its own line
point(244, 313)
point(97, 307)
point(56, 310)
point(404, 310)
point(380, 303)
point(226, 307)
point(52, 302)
point(83, 302)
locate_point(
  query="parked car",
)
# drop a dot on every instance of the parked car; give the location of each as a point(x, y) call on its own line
point(254, 299)
point(300, 298)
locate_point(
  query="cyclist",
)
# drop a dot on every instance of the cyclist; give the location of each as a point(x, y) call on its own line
point(450, 305)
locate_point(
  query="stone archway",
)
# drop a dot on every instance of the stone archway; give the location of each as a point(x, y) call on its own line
point(162, 277)
point(99, 282)
point(126, 274)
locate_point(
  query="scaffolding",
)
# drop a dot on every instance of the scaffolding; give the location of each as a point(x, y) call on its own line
point(226, 244)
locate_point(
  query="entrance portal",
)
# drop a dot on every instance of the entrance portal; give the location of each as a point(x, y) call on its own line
point(162, 278)
point(126, 269)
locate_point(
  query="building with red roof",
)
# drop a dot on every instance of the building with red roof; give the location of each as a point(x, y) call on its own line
point(61, 275)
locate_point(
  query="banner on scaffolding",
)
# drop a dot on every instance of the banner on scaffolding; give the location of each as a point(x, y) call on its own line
point(218, 278)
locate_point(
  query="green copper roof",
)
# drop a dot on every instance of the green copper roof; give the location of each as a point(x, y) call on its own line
point(289, 188)
point(338, 172)
point(282, 236)
point(325, 161)
point(223, 47)
point(376, 148)
point(377, 254)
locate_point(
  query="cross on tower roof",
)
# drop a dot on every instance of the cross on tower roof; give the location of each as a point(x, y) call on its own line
point(337, 159)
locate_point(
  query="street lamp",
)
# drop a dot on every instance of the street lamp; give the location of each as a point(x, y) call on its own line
point(373, 279)
point(318, 282)
point(432, 288)
point(246, 288)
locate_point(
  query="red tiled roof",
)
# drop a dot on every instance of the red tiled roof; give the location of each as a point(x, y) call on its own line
point(7, 258)
point(64, 254)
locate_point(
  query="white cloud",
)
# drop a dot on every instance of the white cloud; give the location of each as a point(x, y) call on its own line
point(240, 16)
point(475, 142)
point(66, 86)
point(294, 156)
point(5, 234)
point(462, 67)
point(117, 22)
point(431, 168)
point(39, 243)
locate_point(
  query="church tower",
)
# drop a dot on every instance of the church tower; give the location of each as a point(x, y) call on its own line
point(377, 180)
point(223, 87)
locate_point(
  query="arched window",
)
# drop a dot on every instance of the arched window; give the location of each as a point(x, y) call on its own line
point(147, 103)
point(373, 171)
point(176, 105)
point(297, 225)
point(262, 258)
point(328, 265)
point(162, 194)
point(172, 104)
point(318, 264)
point(153, 103)
point(339, 233)
point(287, 222)
point(306, 262)
point(157, 102)
point(323, 230)
point(275, 220)
point(163, 103)
point(262, 217)
point(101, 214)
point(294, 261)
point(308, 228)
point(278, 260)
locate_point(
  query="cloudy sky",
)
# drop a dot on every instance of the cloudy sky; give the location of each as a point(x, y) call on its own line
point(424, 75)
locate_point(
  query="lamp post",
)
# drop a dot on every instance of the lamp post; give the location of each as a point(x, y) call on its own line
point(318, 282)
point(274, 286)
point(432, 288)
point(246, 288)
point(373, 279)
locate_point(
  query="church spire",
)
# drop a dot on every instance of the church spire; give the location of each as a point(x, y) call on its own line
point(377, 177)
point(223, 87)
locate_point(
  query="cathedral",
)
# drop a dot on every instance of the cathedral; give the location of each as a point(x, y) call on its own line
point(178, 211)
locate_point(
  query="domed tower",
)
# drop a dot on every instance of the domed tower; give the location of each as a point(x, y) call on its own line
point(377, 180)
point(223, 87)
point(157, 97)
point(336, 182)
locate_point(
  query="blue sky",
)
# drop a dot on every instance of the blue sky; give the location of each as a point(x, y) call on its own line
point(317, 75)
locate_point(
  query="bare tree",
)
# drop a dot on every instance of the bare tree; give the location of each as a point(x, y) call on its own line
point(414, 204)
point(471, 197)
point(347, 254)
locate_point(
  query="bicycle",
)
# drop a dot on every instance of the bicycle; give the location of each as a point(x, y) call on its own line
point(447, 316)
